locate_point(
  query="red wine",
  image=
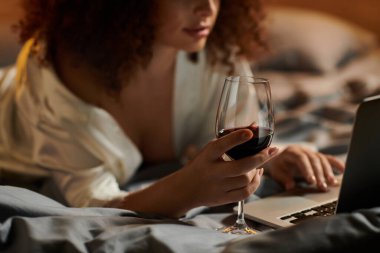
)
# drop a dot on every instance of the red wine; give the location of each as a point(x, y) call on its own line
point(262, 137)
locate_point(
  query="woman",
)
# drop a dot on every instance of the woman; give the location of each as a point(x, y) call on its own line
point(101, 89)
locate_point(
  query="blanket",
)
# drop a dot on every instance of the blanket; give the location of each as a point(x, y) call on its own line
point(30, 222)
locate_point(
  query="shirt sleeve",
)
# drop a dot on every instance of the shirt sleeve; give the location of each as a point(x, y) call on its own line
point(47, 128)
point(86, 165)
point(92, 187)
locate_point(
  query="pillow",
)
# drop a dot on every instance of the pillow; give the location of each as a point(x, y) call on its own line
point(310, 41)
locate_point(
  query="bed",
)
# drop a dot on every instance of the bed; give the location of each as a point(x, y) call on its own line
point(320, 67)
point(30, 222)
point(317, 81)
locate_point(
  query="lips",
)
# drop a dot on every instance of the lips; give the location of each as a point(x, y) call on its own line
point(198, 32)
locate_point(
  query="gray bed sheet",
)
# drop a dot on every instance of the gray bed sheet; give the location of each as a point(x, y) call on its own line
point(30, 222)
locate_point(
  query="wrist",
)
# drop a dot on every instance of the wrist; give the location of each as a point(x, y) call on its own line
point(167, 197)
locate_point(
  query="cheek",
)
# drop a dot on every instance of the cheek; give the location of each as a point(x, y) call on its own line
point(169, 21)
point(168, 31)
point(170, 27)
point(217, 6)
point(170, 11)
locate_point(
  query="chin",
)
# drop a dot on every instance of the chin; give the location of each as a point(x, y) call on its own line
point(195, 47)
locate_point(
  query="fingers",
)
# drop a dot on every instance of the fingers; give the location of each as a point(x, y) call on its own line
point(245, 191)
point(243, 166)
point(315, 167)
point(328, 171)
point(318, 170)
point(220, 146)
point(337, 164)
point(232, 183)
point(323, 168)
point(285, 178)
point(303, 163)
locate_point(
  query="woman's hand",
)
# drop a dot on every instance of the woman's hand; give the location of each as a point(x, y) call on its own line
point(206, 180)
point(214, 181)
point(316, 168)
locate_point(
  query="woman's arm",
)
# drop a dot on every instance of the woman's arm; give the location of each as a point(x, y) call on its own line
point(207, 180)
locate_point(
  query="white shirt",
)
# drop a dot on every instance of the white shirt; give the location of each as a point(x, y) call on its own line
point(45, 130)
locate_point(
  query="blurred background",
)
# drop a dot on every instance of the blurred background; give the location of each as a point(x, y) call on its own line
point(10, 12)
point(363, 13)
point(324, 59)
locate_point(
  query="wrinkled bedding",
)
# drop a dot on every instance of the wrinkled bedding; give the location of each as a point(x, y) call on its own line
point(319, 110)
point(30, 222)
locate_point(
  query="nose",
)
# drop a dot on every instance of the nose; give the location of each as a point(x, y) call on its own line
point(205, 8)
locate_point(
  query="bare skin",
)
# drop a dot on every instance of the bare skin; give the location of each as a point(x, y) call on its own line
point(206, 180)
point(297, 161)
point(202, 177)
point(147, 100)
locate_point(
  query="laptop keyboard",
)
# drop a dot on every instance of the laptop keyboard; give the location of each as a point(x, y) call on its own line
point(322, 210)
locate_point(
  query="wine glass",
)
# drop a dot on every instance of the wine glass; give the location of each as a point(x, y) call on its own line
point(245, 103)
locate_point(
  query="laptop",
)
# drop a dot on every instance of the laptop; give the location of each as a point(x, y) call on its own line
point(358, 188)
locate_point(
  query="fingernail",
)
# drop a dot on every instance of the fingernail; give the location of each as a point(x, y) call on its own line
point(273, 151)
point(323, 185)
point(312, 180)
point(245, 136)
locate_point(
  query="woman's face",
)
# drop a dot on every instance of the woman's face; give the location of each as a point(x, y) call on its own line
point(185, 24)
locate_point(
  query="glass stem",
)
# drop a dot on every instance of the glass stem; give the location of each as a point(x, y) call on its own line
point(240, 215)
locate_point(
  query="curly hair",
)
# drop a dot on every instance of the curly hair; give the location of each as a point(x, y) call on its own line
point(93, 30)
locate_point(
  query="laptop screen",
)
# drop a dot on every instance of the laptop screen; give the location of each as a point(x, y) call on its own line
point(361, 181)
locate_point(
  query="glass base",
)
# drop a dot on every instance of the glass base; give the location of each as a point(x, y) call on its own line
point(237, 229)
